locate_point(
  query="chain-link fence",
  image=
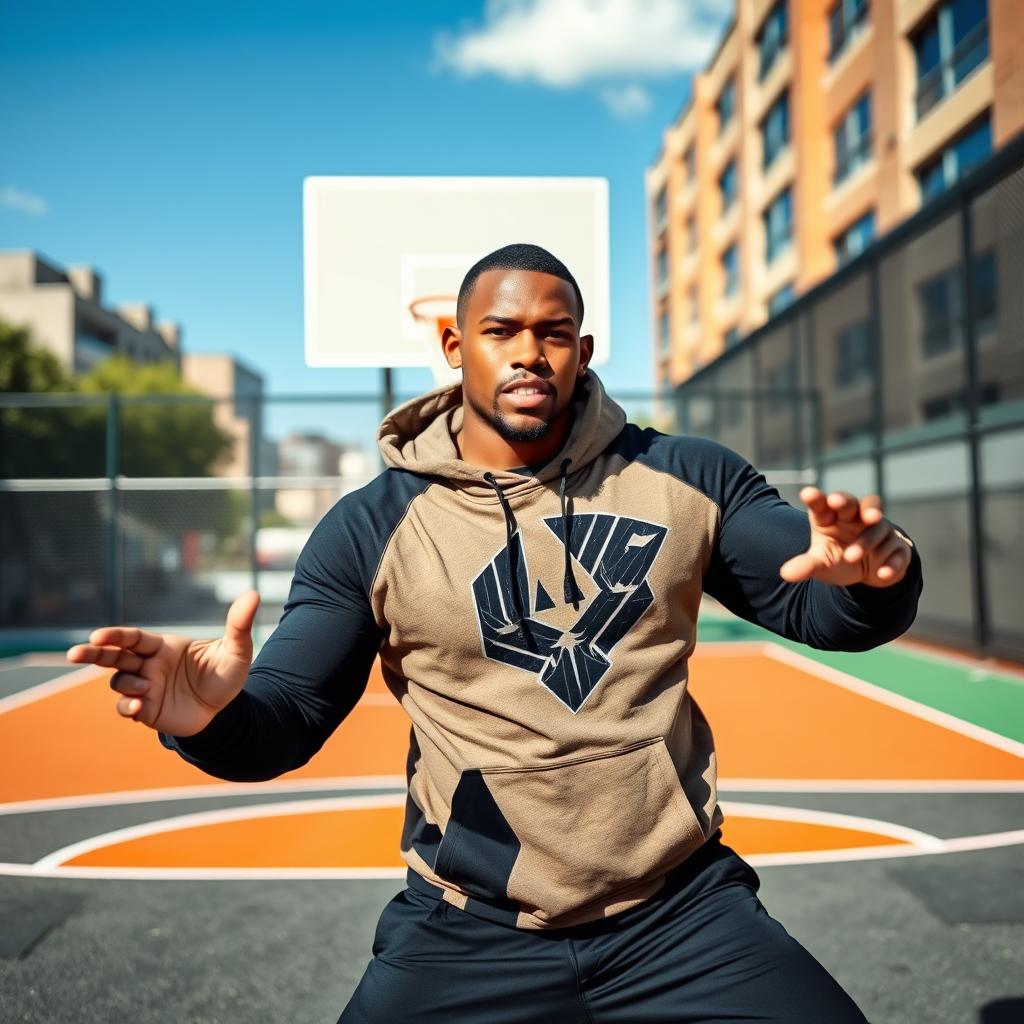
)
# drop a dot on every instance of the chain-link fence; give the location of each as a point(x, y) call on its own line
point(910, 362)
point(162, 509)
point(903, 375)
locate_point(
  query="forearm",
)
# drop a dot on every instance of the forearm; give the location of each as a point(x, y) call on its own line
point(855, 618)
point(265, 731)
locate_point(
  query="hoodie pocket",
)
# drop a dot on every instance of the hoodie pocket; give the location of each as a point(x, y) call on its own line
point(550, 839)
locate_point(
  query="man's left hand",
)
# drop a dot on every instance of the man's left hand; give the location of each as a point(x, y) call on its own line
point(851, 542)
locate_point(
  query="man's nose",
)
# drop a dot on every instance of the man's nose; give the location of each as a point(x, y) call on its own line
point(529, 349)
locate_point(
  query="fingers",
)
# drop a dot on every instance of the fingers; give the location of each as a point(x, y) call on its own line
point(802, 567)
point(893, 559)
point(133, 687)
point(238, 629)
point(866, 543)
point(131, 638)
point(871, 508)
point(840, 506)
point(105, 657)
point(129, 707)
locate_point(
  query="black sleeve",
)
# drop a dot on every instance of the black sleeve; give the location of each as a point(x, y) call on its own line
point(314, 667)
point(758, 531)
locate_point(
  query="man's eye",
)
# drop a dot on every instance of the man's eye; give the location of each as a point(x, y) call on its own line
point(496, 330)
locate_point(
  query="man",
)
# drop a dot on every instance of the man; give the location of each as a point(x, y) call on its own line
point(529, 571)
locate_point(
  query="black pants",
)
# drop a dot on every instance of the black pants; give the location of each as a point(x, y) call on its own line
point(703, 949)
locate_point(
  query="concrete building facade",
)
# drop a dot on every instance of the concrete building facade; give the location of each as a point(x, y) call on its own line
point(818, 126)
point(238, 407)
point(64, 310)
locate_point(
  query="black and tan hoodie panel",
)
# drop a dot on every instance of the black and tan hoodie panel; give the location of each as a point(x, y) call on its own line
point(537, 627)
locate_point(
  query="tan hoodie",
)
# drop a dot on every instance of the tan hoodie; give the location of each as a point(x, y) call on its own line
point(537, 626)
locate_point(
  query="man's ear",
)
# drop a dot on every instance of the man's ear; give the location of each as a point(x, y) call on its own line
point(451, 346)
point(586, 353)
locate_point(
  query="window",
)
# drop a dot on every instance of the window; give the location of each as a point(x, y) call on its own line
point(731, 267)
point(691, 234)
point(91, 347)
point(986, 291)
point(846, 20)
point(694, 306)
point(775, 129)
point(690, 162)
point(956, 401)
point(661, 210)
point(662, 280)
point(778, 225)
point(729, 185)
point(854, 361)
point(726, 104)
point(781, 382)
point(732, 337)
point(664, 333)
point(957, 159)
point(771, 40)
point(948, 47)
point(941, 303)
point(852, 139)
point(779, 300)
point(855, 239)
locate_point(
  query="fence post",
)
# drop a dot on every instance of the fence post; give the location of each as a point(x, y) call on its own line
point(975, 512)
point(115, 595)
point(255, 434)
point(878, 381)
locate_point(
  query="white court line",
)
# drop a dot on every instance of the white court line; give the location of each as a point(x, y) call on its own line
point(341, 783)
point(203, 874)
point(950, 786)
point(215, 817)
point(963, 844)
point(140, 796)
point(803, 815)
point(48, 689)
point(894, 700)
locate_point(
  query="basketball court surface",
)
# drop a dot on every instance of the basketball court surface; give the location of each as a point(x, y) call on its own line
point(879, 795)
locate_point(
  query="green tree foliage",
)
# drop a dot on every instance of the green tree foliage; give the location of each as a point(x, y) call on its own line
point(25, 368)
point(159, 438)
point(175, 437)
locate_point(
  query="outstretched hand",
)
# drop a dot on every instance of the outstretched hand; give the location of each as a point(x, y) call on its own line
point(851, 542)
point(171, 683)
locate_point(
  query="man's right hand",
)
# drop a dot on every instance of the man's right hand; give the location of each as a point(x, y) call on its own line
point(171, 683)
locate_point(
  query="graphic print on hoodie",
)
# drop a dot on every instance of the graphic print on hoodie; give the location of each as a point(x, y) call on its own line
point(537, 629)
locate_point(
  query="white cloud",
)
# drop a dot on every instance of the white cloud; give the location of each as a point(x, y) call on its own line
point(565, 43)
point(626, 101)
point(23, 202)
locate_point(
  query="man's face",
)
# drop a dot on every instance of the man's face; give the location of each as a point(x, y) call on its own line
point(520, 351)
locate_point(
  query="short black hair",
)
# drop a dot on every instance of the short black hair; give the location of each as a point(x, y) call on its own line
point(517, 256)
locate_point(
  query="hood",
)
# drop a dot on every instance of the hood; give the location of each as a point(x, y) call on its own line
point(419, 436)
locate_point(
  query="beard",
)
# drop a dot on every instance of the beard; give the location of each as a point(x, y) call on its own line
point(505, 428)
point(510, 432)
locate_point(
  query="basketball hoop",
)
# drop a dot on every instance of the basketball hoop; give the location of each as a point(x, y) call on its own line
point(434, 313)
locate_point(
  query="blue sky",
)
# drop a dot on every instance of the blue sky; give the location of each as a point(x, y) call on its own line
point(167, 146)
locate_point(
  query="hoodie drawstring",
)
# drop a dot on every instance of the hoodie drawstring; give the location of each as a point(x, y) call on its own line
point(510, 531)
point(570, 591)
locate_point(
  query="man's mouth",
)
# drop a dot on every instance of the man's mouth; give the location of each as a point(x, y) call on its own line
point(528, 394)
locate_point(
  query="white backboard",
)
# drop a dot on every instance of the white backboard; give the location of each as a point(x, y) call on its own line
point(372, 245)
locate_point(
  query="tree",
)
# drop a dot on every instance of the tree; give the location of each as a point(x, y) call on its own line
point(157, 438)
point(173, 438)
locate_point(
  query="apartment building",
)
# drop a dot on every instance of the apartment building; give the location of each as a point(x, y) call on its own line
point(65, 311)
point(817, 126)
